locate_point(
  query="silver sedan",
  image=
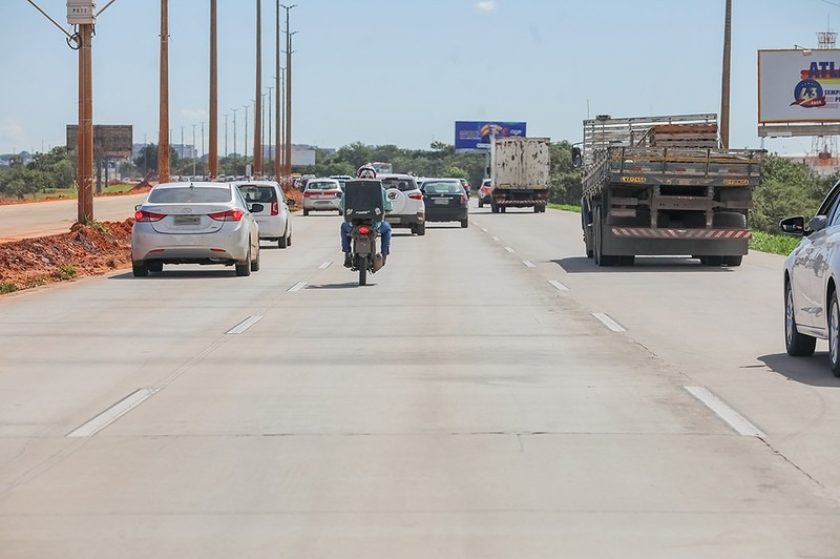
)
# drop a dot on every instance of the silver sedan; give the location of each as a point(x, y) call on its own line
point(812, 273)
point(195, 223)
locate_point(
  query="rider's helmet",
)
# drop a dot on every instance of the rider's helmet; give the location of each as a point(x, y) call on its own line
point(366, 172)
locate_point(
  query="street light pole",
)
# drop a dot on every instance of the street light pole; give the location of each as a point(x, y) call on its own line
point(288, 128)
point(193, 151)
point(163, 140)
point(203, 153)
point(257, 98)
point(213, 158)
point(246, 133)
point(278, 157)
point(226, 135)
point(234, 133)
point(271, 152)
point(725, 82)
point(262, 125)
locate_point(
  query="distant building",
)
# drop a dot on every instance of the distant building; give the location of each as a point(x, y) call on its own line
point(184, 151)
point(303, 155)
point(820, 166)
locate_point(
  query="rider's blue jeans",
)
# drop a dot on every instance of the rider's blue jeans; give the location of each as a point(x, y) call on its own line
point(384, 232)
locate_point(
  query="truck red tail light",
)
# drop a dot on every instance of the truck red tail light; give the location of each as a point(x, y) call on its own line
point(141, 216)
point(230, 215)
point(416, 195)
point(275, 208)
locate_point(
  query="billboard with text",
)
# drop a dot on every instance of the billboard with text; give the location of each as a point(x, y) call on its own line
point(475, 135)
point(798, 86)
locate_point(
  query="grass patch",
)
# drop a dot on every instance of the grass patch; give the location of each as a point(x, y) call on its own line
point(66, 272)
point(565, 207)
point(117, 188)
point(772, 243)
point(7, 287)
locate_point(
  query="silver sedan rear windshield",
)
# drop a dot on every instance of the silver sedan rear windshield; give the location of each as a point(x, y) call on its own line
point(321, 185)
point(190, 195)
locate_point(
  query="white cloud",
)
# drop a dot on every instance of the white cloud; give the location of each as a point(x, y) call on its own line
point(485, 6)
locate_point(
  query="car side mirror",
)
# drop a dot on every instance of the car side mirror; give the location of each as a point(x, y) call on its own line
point(816, 223)
point(793, 225)
point(256, 208)
point(577, 158)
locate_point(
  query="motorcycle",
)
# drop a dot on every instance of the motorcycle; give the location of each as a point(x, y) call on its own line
point(363, 252)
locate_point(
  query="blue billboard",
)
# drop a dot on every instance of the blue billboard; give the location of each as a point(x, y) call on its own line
point(475, 135)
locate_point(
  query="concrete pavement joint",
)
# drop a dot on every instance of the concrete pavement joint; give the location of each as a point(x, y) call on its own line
point(607, 321)
point(728, 414)
point(245, 324)
point(325, 265)
point(510, 250)
point(113, 413)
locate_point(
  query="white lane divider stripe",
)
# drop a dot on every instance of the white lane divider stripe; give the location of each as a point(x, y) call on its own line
point(609, 322)
point(738, 422)
point(495, 238)
point(557, 285)
point(529, 264)
point(245, 324)
point(510, 250)
point(297, 287)
point(483, 229)
point(107, 417)
point(325, 265)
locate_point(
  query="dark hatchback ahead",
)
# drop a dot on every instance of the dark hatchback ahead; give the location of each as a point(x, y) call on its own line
point(446, 200)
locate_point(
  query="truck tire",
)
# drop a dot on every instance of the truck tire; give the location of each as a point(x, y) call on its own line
point(627, 260)
point(796, 344)
point(712, 261)
point(536, 209)
point(494, 208)
point(733, 261)
point(502, 208)
point(601, 259)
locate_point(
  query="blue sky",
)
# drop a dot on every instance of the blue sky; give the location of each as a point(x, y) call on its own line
point(401, 71)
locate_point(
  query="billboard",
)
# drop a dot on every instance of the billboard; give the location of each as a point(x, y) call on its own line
point(798, 86)
point(475, 135)
point(109, 141)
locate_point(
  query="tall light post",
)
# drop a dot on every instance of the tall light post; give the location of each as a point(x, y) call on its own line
point(234, 133)
point(163, 131)
point(725, 82)
point(278, 157)
point(258, 91)
point(246, 107)
point(226, 135)
point(193, 152)
point(262, 125)
point(213, 157)
point(203, 153)
point(288, 126)
point(271, 153)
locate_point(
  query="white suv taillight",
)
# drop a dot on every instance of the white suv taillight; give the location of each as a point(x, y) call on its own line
point(416, 195)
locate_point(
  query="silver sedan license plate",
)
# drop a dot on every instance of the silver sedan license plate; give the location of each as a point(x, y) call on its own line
point(187, 219)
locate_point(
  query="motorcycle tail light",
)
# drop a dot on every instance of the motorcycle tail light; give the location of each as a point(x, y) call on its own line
point(364, 230)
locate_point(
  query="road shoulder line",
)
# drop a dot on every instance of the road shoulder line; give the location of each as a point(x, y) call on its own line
point(727, 413)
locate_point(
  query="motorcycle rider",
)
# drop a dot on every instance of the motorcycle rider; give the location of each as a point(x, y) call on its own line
point(367, 172)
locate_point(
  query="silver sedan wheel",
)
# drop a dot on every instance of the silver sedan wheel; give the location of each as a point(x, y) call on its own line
point(789, 317)
point(833, 329)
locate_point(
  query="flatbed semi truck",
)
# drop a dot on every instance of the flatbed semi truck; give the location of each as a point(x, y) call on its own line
point(664, 186)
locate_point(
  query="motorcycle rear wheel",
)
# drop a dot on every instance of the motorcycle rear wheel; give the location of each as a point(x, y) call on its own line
point(361, 264)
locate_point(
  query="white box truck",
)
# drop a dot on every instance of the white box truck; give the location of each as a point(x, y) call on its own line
point(519, 173)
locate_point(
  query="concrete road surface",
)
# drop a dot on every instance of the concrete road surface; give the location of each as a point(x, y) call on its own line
point(20, 221)
point(491, 395)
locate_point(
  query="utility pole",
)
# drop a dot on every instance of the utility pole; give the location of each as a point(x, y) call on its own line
point(288, 128)
point(213, 158)
point(281, 133)
point(163, 138)
point(257, 98)
point(725, 82)
point(203, 153)
point(271, 153)
point(234, 133)
point(278, 158)
point(262, 125)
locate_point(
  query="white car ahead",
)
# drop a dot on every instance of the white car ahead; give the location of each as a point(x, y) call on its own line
point(274, 219)
point(195, 223)
point(322, 195)
point(409, 210)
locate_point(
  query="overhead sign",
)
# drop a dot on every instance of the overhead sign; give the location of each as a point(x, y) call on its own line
point(798, 86)
point(109, 141)
point(475, 135)
point(81, 12)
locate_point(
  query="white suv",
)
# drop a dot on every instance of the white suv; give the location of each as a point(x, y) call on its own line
point(409, 210)
point(273, 220)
